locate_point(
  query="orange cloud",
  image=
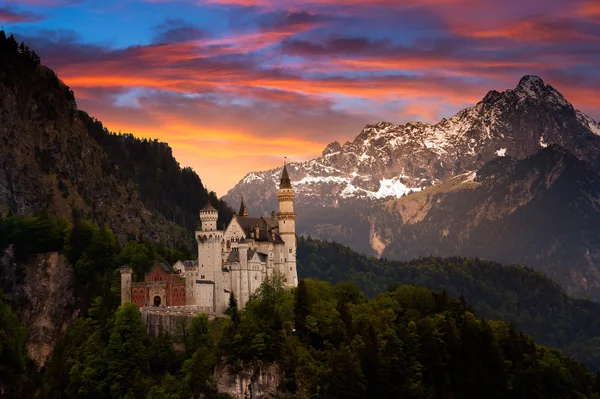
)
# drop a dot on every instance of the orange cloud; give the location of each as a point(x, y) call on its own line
point(530, 30)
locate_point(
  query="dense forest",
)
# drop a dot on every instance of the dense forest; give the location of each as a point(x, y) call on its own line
point(327, 341)
point(513, 293)
point(178, 194)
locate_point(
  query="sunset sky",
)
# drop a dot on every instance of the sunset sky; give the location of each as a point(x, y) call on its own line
point(235, 85)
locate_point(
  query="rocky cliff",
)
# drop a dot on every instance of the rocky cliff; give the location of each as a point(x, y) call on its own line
point(257, 380)
point(41, 292)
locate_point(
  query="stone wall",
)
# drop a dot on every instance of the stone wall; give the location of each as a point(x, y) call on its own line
point(171, 319)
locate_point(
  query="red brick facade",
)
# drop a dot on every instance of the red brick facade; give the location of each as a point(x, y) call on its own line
point(161, 287)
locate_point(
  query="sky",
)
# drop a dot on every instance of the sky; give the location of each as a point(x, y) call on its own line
point(235, 85)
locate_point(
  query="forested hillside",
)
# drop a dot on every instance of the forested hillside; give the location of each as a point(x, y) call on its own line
point(513, 293)
point(328, 342)
point(56, 159)
point(164, 187)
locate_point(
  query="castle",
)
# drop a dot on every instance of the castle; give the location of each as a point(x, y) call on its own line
point(235, 260)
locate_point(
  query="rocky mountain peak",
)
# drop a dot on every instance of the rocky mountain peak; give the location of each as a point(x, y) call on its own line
point(531, 82)
point(388, 161)
point(332, 148)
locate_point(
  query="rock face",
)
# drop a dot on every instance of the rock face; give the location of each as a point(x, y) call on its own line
point(543, 211)
point(169, 321)
point(50, 163)
point(42, 295)
point(255, 381)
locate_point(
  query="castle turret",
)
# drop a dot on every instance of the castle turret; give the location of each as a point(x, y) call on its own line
point(208, 218)
point(209, 241)
point(125, 284)
point(286, 218)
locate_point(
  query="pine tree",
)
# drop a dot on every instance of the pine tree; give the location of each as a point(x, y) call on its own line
point(126, 354)
point(233, 311)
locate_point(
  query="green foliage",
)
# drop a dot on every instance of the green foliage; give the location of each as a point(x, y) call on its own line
point(126, 354)
point(512, 293)
point(13, 357)
point(406, 342)
point(31, 235)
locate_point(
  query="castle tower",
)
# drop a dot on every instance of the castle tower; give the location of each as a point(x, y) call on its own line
point(208, 218)
point(209, 241)
point(286, 218)
point(243, 210)
point(125, 284)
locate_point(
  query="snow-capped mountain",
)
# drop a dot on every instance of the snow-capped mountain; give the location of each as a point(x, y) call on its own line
point(386, 161)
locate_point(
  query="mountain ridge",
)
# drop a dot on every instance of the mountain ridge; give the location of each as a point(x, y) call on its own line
point(386, 160)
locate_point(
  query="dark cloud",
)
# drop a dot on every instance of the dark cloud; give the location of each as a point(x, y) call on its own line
point(279, 19)
point(9, 14)
point(177, 30)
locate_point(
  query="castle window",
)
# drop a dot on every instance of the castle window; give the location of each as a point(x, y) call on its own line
point(290, 250)
point(290, 268)
point(202, 276)
point(135, 291)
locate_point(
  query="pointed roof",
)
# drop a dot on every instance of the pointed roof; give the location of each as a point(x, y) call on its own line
point(243, 211)
point(285, 178)
point(208, 207)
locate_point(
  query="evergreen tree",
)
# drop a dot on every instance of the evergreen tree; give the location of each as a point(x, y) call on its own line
point(126, 354)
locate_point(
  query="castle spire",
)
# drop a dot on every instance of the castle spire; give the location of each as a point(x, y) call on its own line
point(243, 211)
point(285, 178)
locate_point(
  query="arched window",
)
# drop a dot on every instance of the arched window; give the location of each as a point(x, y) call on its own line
point(135, 291)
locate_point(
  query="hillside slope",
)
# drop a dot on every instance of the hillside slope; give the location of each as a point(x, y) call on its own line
point(517, 294)
point(56, 159)
point(543, 211)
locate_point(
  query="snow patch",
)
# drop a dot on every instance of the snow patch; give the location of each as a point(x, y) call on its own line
point(542, 142)
point(589, 123)
point(501, 152)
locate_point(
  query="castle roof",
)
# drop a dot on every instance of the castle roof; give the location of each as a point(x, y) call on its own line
point(208, 207)
point(264, 224)
point(285, 179)
point(234, 256)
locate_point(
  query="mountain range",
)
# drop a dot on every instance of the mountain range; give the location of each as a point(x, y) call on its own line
point(401, 191)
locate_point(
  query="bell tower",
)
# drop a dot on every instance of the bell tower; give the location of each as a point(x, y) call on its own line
point(286, 218)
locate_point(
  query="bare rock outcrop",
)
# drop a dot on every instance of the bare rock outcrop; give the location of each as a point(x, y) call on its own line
point(41, 291)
